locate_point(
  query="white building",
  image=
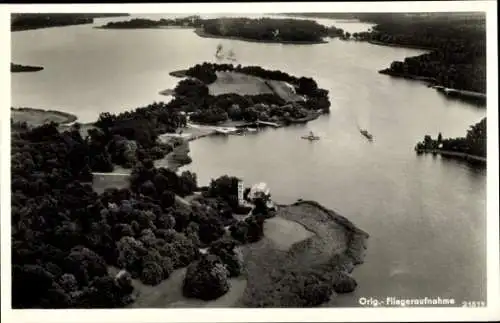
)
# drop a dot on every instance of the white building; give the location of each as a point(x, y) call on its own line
point(259, 190)
point(241, 191)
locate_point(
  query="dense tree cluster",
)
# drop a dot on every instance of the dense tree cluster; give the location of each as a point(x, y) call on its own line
point(262, 29)
point(65, 236)
point(457, 42)
point(58, 234)
point(474, 143)
point(193, 96)
point(267, 29)
point(25, 21)
point(133, 135)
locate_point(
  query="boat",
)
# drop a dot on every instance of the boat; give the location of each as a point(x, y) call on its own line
point(310, 137)
point(366, 134)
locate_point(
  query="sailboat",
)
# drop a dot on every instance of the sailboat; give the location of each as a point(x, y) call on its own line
point(220, 55)
point(218, 52)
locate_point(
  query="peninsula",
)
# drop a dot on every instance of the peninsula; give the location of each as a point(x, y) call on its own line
point(472, 147)
point(456, 42)
point(17, 68)
point(38, 117)
point(268, 30)
point(161, 240)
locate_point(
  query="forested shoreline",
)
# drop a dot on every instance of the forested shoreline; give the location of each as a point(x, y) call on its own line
point(287, 31)
point(469, 147)
point(457, 44)
point(456, 41)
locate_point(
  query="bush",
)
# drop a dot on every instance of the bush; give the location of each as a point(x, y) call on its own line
point(345, 284)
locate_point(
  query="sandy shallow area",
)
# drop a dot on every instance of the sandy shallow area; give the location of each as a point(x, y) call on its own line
point(285, 233)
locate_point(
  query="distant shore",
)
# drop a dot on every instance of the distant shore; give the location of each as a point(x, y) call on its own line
point(204, 34)
point(447, 153)
point(18, 68)
point(31, 21)
point(143, 27)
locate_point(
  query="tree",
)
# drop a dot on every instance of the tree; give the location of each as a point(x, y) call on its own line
point(230, 256)
point(211, 229)
point(30, 284)
point(68, 283)
point(206, 279)
point(152, 273)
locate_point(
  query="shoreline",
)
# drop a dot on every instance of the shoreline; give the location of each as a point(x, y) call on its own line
point(379, 43)
point(431, 83)
point(204, 34)
point(356, 237)
point(179, 73)
point(331, 253)
point(26, 28)
point(144, 27)
point(458, 155)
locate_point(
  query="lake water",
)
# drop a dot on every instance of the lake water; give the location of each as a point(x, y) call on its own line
point(425, 215)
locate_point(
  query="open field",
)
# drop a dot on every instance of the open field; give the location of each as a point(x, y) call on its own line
point(234, 82)
point(285, 233)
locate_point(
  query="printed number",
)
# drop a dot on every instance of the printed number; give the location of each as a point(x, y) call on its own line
point(473, 304)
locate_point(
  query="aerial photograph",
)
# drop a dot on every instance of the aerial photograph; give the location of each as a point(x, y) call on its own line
point(274, 160)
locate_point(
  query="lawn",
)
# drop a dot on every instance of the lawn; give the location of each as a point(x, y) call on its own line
point(243, 84)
